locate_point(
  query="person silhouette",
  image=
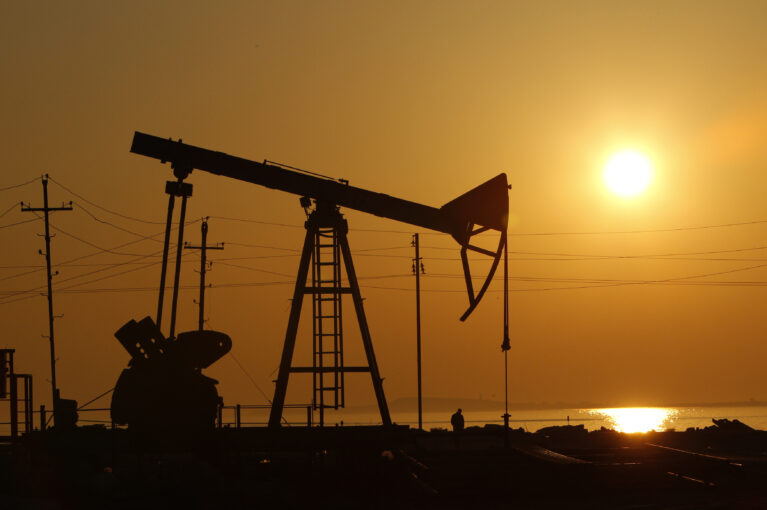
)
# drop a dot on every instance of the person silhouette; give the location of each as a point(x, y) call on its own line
point(457, 421)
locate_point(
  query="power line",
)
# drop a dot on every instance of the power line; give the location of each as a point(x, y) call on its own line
point(81, 283)
point(245, 245)
point(520, 234)
point(709, 252)
point(83, 275)
point(99, 252)
point(645, 231)
point(248, 268)
point(249, 377)
point(105, 222)
point(19, 223)
point(91, 264)
point(247, 220)
point(92, 245)
point(20, 185)
point(11, 208)
point(121, 215)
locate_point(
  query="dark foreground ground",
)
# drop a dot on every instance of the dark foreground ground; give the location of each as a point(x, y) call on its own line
point(560, 467)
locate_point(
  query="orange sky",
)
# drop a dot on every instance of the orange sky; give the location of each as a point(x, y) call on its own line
point(424, 101)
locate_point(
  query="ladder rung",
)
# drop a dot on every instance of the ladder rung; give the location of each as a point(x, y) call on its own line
point(328, 290)
point(326, 263)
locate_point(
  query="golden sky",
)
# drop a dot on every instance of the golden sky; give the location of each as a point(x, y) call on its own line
point(424, 101)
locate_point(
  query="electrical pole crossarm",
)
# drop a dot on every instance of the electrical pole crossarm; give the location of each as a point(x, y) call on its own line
point(43, 209)
point(209, 247)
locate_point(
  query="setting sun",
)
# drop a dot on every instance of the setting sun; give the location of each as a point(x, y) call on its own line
point(627, 173)
point(636, 419)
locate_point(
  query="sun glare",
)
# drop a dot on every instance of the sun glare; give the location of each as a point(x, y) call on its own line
point(628, 173)
point(636, 419)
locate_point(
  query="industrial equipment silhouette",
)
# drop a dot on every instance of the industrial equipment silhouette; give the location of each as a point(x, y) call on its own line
point(164, 389)
point(482, 209)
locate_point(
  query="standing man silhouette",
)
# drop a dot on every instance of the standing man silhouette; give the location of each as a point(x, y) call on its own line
point(457, 421)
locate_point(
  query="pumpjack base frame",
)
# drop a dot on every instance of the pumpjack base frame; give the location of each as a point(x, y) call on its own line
point(325, 216)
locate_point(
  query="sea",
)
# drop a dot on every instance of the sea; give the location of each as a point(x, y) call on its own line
point(624, 419)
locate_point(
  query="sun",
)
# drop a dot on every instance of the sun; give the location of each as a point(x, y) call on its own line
point(628, 173)
point(637, 419)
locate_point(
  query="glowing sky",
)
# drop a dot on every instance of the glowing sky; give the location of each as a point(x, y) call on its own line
point(421, 100)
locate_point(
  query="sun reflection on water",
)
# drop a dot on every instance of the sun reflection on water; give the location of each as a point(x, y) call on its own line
point(637, 419)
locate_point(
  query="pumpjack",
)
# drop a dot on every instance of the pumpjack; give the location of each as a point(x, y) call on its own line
point(483, 209)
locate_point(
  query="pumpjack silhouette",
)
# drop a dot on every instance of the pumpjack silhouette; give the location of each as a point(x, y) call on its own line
point(326, 254)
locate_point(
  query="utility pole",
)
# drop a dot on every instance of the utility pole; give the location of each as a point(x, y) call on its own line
point(417, 270)
point(203, 266)
point(45, 210)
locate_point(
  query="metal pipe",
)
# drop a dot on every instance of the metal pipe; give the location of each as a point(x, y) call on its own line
point(203, 263)
point(179, 247)
point(166, 245)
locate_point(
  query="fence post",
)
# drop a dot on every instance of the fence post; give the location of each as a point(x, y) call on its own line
point(114, 444)
point(308, 416)
point(237, 416)
point(14, 406)
point(28, 409)
point(42, 418)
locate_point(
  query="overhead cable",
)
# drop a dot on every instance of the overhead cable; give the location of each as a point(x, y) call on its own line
point(127, 217)
point(20, 185)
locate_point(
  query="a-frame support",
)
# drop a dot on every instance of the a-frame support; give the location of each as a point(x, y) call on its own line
point(325, 216)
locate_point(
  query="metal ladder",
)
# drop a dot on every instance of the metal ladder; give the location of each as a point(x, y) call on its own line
point(327, 328)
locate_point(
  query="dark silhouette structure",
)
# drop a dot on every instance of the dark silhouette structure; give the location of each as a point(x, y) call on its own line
point(9, 389)
point(326, 247)
point(164, 388)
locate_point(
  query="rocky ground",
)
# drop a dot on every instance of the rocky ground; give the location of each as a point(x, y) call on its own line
point(558, 467)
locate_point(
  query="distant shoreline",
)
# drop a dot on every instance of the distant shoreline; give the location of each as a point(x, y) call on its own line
point(435, 404)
